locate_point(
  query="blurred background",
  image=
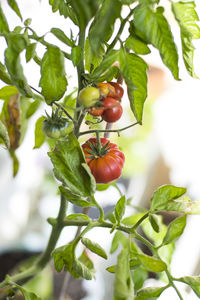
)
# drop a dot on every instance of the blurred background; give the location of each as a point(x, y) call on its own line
point(164, 150)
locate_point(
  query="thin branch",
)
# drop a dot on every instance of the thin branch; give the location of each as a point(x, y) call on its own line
point(64, 110)
point(109, 130)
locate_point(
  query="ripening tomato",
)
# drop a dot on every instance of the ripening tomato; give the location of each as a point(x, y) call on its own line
point(89, 96)
point(107, 165)
point(106, 89)
point(96, 111)
point(57, 129)
point(119, 91)
point(112, 110)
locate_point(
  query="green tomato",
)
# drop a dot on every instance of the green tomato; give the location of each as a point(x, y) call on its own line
point(59, 129)
point(89, 96)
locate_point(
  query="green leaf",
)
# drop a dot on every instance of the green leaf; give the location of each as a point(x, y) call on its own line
point(123, 284)
point(64, 9)
point(132, 263)
point(82, 270)
point(154, 220)
point(3, 22)
point(4, 75)
point(7, 91)
point(118, 238)
point(186, 17)
point(103, 21)
point(186, 207)
point(174, 230)
point(62, 37)
point(16, 44)
point(53, 81)
point(137, 45)
point(156, 31)
point(166, 252)
point(32, 108)
point(87, 261)
point(63, 257)
point(15, 162)
point(27, 294)
point(76, 55)
point(78, 217)
point(151, 263)
point(139, 276)
point(74, 199)
point(150, 293)
point(39, 134)
point(120, 208)
point(92, 60)
point(106, 63)
point(193, 281)
point(30, 51)
point(14, 6)
point(133, 69)
point(164, 194)
point(132, 220)
point(4, 134)
point(94, 247)
point(27, 22)
point(68, 159)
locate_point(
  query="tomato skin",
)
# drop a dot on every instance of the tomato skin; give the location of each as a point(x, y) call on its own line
point(112, 110)
point(109, 166)
point(96, 111)
point(56, 130)
point(89, 96)
point(106, 89)
point(119, 91)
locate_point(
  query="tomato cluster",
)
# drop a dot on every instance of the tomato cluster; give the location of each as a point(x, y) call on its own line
point(104, 100)
point(110, 107)
point(106, 163)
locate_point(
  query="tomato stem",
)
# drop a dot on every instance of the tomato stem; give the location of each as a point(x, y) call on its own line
point(109, 130)
point(98, 143)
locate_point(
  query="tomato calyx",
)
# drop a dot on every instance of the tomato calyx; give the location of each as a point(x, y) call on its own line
point(97, 150)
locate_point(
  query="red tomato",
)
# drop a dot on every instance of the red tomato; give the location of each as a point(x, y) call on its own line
point(112, 110)
point(119, 91)
point(108, 165)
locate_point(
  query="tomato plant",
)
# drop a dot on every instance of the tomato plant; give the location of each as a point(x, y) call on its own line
point(106, 163)
point(103, 59)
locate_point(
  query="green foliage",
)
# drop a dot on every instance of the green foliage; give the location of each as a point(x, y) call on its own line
point(123, 284)
point(186, 17)
point(120, 208)
point(39, 134)
point(164, 194)
point(16, 44)
point(62, 36)
point(150, 293)
point(3, 22)
point(193, 282)
point(4, 134)
point(92, 60)
point(94, 247)
point(64, 9)
point(151, 263)
point(53, 81)
point(103, 21)
point(82, 270)
point(118, 238)
point(74, 199)
point(156, 31)
point(7, 91)
point(30, 51)
point(136, 45)
point(14, 6)
point(27, 294)
point(133, 69)
point(174, 230)
point(154, 220)
point(4, 75)
point(76, 55)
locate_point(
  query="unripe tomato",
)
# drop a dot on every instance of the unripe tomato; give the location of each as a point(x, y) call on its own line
point(107, 166)
point(112, 110)
point(106, 89)
point(89, 96)
point(96, 111)
point(119, 91)
point(58, 129)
